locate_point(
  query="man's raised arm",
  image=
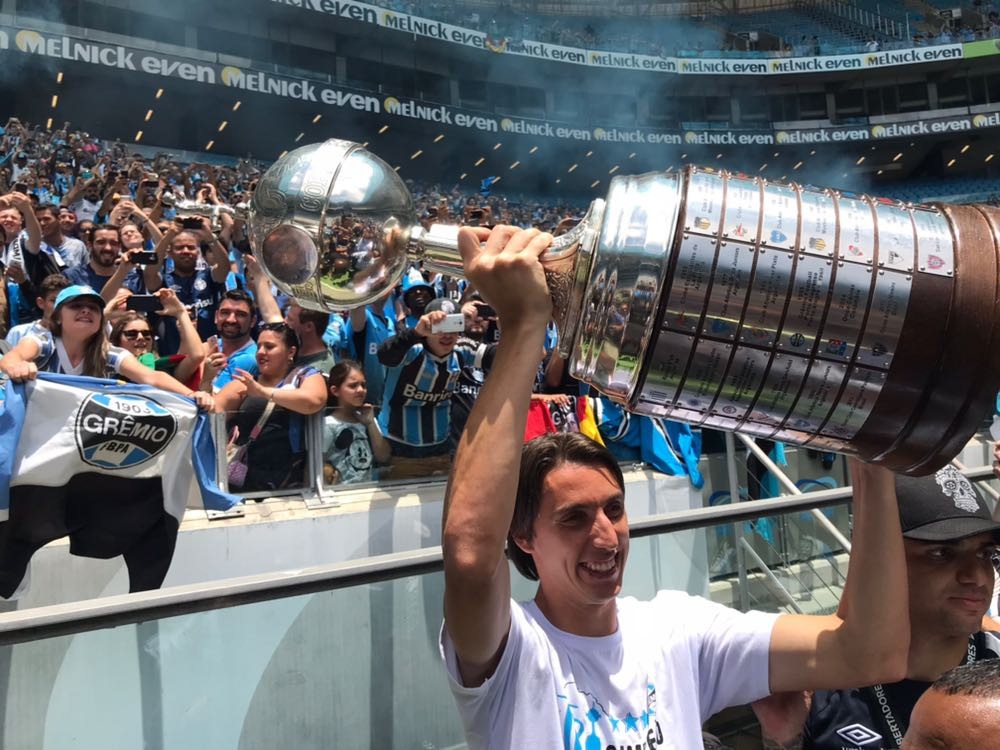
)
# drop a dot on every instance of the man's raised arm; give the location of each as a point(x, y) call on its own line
point(867, 641)
point(483, 485)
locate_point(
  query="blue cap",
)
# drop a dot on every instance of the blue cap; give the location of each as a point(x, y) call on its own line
point(409, 282)
point(76, 291)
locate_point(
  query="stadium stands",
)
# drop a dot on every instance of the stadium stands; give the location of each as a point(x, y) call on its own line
point(838, 27)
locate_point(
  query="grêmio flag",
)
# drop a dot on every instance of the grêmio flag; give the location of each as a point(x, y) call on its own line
point(110, 465)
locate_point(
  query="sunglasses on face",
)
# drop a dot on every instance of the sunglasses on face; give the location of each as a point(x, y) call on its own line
point(133, 335)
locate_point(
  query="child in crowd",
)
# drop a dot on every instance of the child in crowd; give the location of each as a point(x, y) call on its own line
point(352, 441)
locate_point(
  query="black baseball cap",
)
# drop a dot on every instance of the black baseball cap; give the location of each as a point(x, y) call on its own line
point(943, 507)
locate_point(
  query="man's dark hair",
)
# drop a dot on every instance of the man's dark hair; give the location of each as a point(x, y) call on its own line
point(50, 207)
point(981, 679)
point(318, 318)
point(106, 228)
point(54, 282)
point(238, 295)
point(538, 458)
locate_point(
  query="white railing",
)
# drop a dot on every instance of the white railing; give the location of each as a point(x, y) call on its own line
point(873, 20)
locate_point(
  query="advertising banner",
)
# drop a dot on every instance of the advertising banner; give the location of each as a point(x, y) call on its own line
point(128, 59)
point(423, 27)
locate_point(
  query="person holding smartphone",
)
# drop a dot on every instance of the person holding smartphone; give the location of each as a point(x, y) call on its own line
point(132, 332)
point(199, 286)
point(24, 238)
point(84, 198)
point(137, 230)
point(423, 365)
point(108, 270)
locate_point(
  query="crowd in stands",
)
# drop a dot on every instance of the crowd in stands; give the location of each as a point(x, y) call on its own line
point(802, 30)
point(102, 279)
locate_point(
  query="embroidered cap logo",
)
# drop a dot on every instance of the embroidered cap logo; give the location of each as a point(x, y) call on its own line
point(958, 488)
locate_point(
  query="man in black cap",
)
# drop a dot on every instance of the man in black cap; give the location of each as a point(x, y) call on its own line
point(951, 543)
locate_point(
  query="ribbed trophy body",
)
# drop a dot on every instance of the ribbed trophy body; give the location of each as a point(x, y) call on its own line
point(801, 314)
point(819, 318)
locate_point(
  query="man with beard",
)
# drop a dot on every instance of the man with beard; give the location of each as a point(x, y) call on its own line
point(107, 271)
point(232, 348)
point(71, 250)
point(417, 294)
point(197, 285)
point(84, 199)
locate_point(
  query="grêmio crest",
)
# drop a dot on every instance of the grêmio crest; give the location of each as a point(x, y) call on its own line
point(117, 431)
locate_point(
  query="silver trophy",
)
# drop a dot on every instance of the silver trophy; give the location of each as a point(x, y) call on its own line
point(826, 319)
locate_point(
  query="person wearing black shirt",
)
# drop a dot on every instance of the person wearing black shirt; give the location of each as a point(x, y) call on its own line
point(951, 543)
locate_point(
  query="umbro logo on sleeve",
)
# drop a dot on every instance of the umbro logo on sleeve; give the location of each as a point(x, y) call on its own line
point(859, 735)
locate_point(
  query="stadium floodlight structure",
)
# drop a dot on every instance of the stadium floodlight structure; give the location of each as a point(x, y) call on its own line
point(817, 317)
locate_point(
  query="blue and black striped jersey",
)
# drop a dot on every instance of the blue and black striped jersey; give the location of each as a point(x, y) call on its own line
point(418, 388)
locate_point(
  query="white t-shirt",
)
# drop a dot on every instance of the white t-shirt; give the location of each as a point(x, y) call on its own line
point(72, 251)
point(52, 356)
point(85, 209)
point(674, 662)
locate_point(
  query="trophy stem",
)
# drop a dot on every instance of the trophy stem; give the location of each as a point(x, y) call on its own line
point(567, 264)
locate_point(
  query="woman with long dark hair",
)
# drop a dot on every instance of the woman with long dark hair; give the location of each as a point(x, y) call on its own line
point(275, 455)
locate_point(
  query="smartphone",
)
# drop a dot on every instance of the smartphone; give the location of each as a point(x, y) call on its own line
point(485, 311)
point(146, 258)
point(144, 303)
point(150, 184)
point(86, 174)
point(191, 222)
point(451, 324)
point(20, 187)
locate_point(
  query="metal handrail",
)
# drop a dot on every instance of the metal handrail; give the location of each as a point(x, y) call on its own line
point(783, 478)
point(126, 609)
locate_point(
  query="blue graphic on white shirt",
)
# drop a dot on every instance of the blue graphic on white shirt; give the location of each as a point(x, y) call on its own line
point(582, 724)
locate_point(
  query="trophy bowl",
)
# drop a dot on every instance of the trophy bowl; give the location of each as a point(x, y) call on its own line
point(330, 224)
point(797, 313)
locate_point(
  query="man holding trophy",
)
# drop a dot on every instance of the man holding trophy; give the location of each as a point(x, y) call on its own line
point(806, 315)
point(579, 662)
